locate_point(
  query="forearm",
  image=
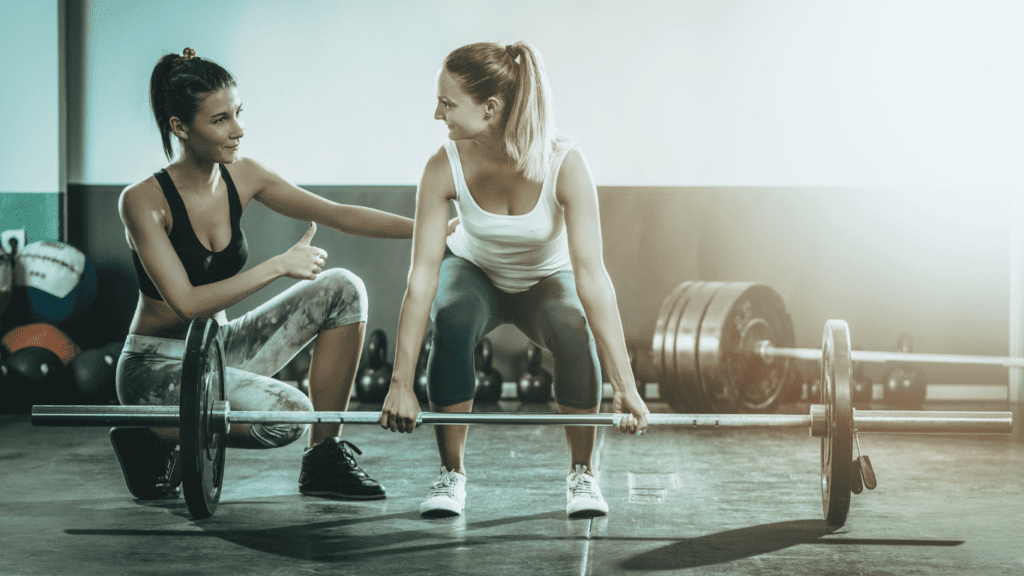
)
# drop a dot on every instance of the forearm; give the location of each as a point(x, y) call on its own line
point(369, 222)
point(597, 295)
point(412, 323)
point(209, 299)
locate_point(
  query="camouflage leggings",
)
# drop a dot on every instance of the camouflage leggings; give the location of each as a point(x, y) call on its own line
point(256, 346)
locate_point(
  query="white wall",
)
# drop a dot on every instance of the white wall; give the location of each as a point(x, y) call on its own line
point(29, 96)
point(670, 92)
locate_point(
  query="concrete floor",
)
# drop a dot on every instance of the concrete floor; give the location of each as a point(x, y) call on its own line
point(727, 502)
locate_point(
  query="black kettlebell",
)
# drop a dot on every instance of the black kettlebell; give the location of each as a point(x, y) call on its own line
point(534, 384)
point(35, 375)
point(489, 382)
point(904, 385)
point(420, 383)
point(373, 383)
point(94, 372)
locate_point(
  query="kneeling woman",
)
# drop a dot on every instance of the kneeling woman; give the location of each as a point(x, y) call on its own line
point(182, 224)
point(527, 252)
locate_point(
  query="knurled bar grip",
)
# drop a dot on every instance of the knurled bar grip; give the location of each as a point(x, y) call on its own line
point(864, 420)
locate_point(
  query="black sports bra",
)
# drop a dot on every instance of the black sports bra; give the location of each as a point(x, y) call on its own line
point(202, 265)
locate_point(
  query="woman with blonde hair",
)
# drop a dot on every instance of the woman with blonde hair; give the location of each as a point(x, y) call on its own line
point(527, 251)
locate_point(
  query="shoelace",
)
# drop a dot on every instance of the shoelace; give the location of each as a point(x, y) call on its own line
point(582, 485)
point(444, 486)
point(347, 462)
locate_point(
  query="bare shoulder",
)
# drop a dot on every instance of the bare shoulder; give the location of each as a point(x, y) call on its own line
point(246, 166)
point(437, 175)
point(250, 176)
point(574, 178)
point(141, 197)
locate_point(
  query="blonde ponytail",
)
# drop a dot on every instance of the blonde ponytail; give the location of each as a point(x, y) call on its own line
point(516, 73)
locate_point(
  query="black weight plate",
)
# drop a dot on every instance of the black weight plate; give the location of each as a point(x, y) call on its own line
point(664, 356)
point(672, 390)
point(837, 445)
point(733, 379)
point(687, 364)
point(668, 306)
point(202, 449)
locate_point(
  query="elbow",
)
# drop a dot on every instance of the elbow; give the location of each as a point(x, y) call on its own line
point(182, 308)
point(422, 285)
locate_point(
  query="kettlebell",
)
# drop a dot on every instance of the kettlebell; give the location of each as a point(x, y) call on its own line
point(420, 382)
point(489, 381)
point(534, 384)
point(374, 381)
point(904, 385)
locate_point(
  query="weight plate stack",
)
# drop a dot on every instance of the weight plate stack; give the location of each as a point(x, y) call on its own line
point(731, 377)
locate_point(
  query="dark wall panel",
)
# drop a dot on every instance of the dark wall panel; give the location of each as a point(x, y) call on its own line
point(885, 261)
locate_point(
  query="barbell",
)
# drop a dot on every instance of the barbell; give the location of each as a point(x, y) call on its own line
point(204, 416)
point(728, 347)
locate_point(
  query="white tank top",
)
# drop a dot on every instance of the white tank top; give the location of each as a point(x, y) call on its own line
point(517, 251)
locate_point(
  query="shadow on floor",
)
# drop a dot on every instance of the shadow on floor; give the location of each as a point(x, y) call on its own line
point(751, 541)
point(343, 539)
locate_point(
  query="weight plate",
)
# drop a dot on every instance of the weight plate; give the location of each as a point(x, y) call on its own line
point(837, 445)
point(687, 366)
point(668, 384)
point(202, 449)
point(658, 343)
point(733, 379)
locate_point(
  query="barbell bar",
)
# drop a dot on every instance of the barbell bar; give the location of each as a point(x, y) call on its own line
point(728, 347)
point(221, 418)
point(768, 352)
point(204, 416)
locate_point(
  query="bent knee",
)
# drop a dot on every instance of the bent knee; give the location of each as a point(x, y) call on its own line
point(276, 435)
point(282, 433)
point(345, 290)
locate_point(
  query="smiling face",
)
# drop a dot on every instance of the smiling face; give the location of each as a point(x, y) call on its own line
point(217, 129)
point(464, 117)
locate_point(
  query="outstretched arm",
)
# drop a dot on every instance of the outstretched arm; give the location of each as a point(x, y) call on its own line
point(578, 195)
point(435, 189)
point(286, 198)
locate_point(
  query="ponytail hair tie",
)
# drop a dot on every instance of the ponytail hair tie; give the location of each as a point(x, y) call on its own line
point(511, 51)
point(186, 55)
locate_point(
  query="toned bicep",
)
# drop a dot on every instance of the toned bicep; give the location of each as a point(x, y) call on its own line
point(286, 198)
point(144, 223)
point(578, 195)
point(430, 231)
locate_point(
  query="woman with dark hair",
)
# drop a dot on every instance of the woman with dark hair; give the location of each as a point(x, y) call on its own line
point(182, 224)
point(527, 252)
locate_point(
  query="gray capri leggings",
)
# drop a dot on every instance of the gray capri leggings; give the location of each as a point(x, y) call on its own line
point(467, 306)
point(256, 346)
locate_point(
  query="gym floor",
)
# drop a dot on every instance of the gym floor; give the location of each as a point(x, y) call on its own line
point(738, 501)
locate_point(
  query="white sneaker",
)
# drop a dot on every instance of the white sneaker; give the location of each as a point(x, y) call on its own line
point(583, 495)
point(447, 496)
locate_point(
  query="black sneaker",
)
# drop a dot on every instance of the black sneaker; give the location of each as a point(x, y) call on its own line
point(151, 466)
point(329, 469)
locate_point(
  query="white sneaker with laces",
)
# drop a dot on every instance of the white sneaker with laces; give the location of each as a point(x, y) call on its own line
point(447, 495)
point(583, 495)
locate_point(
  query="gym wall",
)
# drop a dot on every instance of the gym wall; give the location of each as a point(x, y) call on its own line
point(860, 158)
point(887, 261)
point(31, 183)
